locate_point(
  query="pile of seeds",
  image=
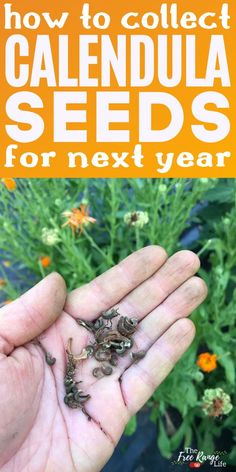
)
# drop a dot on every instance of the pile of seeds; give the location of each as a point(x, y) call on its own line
point(74, 398)
point(110, 342)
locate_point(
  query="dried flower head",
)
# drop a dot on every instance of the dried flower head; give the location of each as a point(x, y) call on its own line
point(136, 218)
point(45, 261)
point(207, 362)
point(50, 236)
point(215, 402)
point(77, 218)
point(9, 183)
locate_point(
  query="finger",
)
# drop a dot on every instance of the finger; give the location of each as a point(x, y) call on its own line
point(147, 296)
point(109, 288)
point(32, 313)
point(141, 379)
point(179, 304)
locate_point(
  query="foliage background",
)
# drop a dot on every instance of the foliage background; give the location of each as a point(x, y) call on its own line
point(198, 214)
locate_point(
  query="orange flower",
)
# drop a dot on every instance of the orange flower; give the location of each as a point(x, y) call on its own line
point(9, 183)
point(78, 217)
point(6, 302)
point(45, 261)
point(207, 362)
point(2, 282)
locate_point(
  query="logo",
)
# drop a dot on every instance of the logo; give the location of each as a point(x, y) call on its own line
point(196, 458)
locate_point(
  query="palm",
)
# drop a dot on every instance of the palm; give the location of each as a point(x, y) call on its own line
point(38, 431)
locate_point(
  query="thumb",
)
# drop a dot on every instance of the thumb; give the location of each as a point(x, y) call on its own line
point(32, 313)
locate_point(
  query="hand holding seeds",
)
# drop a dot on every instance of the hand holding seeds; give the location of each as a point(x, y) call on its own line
point(75, 369)
point(108, 345)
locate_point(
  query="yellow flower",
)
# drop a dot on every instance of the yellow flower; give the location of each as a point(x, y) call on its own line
point(6, 263)
point(2, 282)
point(9, 183)
point(45, 261)
point(207, 362)
point(78, 217)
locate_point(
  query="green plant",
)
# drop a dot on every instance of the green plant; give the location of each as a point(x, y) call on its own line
point(32, 228)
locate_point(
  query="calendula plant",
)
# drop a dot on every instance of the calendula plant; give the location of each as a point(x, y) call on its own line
point(82, 227)
point(205, 376)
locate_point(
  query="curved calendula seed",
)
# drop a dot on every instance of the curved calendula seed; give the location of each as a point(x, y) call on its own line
point(86, 324)
point(76, 357)
point(83, 355)
point(137, 356)
point(120, 349)
point(97, 372)
point(106, 369)
point(102, 355)
point(80, 398)
point(66, 401)
point(108, 315)
point(90, 350)
point(68, 381)
point(114, 360)
point(99, 323)
point(127, 326)
point(49, 359)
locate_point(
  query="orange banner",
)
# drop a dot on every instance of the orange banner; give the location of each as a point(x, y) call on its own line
point(118, 89)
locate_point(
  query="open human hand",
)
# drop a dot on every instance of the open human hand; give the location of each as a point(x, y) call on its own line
point(38, 432)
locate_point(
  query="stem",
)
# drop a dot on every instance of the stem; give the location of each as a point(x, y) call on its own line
point(204, 248)
point(112, 186)
point(170, 427)
point(41, 269)
point(137, 237)
point(155, 198)
point(108, 258)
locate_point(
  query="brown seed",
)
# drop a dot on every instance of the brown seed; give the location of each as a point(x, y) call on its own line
point(137, 356)
point(114, 360)
point(90, 350)
point(127, 326)
point(49, 359)
point(102, 355)
point(107, 369)
point(80, 397)
point(86, 324)
point(108, 315)
point(97, 372)
point(99, 323)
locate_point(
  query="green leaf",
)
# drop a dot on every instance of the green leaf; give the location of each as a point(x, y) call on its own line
point(190, 395)
point(208, 445)
point(177, 438)
point(154, 414)
point(229, 367)
point(131, 426)
point(222, 193)
point(232, 456)
point(188, 436)
point(163, 441)
point(225, 360)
